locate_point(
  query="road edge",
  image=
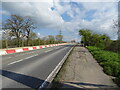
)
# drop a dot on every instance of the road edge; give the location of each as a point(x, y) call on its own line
point(47, 82)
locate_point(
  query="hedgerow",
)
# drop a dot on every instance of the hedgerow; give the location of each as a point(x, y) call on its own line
point(108, 60)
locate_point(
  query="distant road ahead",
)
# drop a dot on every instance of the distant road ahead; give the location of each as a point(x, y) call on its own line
point(30, 69)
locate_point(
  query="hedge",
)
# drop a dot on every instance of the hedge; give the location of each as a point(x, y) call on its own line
point(108, 60)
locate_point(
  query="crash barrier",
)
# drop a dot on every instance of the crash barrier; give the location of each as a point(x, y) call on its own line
point(16, 50)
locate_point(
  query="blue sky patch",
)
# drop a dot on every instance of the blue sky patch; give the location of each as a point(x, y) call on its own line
point(66, 17)
point(89, 15)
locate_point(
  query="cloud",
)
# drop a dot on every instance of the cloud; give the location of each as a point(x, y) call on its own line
point(41, 12)
point(60, 0)
point(4, 13)
point(96, 16)
point(101, 21)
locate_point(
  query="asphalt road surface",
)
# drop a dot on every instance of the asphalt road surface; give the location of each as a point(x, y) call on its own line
point(30, 69)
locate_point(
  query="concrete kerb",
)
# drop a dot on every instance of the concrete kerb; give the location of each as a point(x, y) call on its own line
point(47, 83)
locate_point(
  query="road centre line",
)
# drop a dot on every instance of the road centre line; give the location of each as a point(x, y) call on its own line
point(26, 58)
point(22, 59)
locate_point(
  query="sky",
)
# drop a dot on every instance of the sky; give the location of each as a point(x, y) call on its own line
point(69, 16)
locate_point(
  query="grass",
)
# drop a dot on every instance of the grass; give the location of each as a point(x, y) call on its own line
point(110, 61)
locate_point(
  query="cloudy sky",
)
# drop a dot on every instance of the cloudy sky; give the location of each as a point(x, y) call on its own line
point(51, 16)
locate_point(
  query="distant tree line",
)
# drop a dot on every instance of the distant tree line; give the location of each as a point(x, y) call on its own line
point(99, 40)
point(18, 31)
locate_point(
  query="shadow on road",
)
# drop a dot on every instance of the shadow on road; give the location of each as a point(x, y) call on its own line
point(90, 84)
point(72, 86)
point(23, 79)
point(35, 83)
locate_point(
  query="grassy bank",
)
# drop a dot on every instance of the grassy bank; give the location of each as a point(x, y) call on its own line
point(110, 61)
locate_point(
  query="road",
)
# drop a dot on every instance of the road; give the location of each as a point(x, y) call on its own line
point(30, 69)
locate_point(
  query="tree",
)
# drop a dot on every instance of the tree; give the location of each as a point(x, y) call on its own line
point(90, 39)
point(94, 39)
point(28, 27)
point(44, 40)
point(23, 35)
point(59, 38)
point(15, 25)
point(72, 41)
point(51, 39)
point(20, 27)
point(33, 35)
point(86, 36)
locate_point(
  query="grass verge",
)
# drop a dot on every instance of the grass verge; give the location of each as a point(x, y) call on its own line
point(110, 62)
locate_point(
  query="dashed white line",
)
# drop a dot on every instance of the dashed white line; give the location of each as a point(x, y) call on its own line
point(28, 57)
point(22, 59)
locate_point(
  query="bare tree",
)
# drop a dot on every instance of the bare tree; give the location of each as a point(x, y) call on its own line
point(15, 24)
point(28, 27)
point(20, 27)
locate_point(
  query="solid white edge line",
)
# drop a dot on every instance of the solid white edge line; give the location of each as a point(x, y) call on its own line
point(55, 71)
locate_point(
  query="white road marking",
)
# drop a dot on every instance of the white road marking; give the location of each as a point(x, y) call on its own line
point(56, 69)
point(22, 59)
point(27, 57)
